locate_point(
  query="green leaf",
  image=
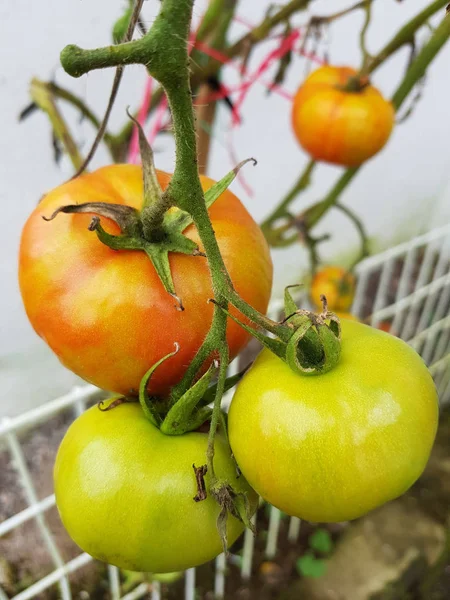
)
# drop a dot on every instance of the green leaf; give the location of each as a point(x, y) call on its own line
point(218, 188)
point(290, 306)
point(321, 541)
point(310, 566)
point(181, 219)
point(145, 400)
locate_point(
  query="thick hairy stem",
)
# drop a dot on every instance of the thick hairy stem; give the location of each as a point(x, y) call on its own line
point(419, 66)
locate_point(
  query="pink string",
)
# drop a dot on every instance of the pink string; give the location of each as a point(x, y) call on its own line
point(285, 46)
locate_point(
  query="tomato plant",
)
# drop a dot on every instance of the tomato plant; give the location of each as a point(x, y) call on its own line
point(125, 491)
point(337, 284)
point(338, 124)
point(332, 447)
point(105, 313)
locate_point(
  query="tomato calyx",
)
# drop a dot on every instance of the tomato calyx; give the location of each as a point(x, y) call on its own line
point(154, 229)
point(309, 343)
point(355, 84)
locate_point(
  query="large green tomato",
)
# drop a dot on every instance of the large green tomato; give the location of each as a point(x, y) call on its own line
point(125, 492)
point(332, 447)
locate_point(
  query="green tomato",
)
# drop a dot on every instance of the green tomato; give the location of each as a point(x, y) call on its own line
point(125, 492)
point(332, 447)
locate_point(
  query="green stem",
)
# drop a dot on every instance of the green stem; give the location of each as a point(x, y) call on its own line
point(216, 414)
point(357, 222)
point(419, 66)
point(77, 62)
point(365, 27)
point(301, 184)
point(404, 36)
point(313, 215)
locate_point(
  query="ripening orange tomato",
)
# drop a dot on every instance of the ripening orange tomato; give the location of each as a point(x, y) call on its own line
point(105, 313)
point(337, 285)
point(340, 126)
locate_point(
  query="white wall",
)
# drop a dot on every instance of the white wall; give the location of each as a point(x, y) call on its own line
point(402, 191)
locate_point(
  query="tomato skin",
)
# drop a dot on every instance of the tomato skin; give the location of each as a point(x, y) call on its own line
point(337, 285)
point(125, 492)
point(331, 448)
point(105, 313)
point(348, 316)
point(336, 126)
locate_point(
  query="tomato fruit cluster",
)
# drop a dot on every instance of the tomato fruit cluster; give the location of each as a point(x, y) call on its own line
point(328, 447)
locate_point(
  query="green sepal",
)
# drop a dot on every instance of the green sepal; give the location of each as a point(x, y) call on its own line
point(181, 219)
point(290, 307)
point(182, 415)
point(126, 217)
point(331, 346)
point(296, 356)
point(314, 347)
point(158, 252)
point(152, 189)
point(146, 401)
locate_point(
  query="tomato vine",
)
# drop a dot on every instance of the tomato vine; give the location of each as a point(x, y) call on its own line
point(307, 343)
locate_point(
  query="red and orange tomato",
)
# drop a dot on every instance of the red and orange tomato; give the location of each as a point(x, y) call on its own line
point(105, 313)
point(339, 126)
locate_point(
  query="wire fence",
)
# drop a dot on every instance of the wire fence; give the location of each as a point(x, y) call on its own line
point(405, 290)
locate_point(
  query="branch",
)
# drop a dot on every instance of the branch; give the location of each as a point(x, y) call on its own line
point(404, 36)
point(362, 37)
point(357, 222)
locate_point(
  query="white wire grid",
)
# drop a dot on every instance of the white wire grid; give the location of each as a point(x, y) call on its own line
point(407, 286)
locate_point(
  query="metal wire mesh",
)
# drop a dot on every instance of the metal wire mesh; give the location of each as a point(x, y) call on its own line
point(405, 289)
